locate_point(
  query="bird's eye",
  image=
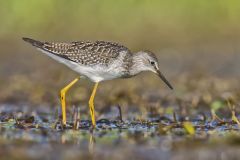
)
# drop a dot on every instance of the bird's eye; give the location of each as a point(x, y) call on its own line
point(152, 63)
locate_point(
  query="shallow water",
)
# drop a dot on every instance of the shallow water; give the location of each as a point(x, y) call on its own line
point(28, 133)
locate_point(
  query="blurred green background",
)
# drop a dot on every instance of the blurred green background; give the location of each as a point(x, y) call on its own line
point(190, 38)
point(137, 23)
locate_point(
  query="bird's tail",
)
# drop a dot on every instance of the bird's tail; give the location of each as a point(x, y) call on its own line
point(33, 42)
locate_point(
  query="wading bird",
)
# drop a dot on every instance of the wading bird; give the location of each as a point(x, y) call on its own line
point(98, 61)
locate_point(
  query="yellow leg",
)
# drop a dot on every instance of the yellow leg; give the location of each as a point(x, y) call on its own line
point(63, 99)
point(91, 105)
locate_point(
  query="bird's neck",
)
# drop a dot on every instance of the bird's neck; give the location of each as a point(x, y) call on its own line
point(137, 64)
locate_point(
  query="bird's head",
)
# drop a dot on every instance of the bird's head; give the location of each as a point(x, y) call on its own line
point(148, 62)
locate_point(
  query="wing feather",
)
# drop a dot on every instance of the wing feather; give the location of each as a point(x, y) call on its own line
point(87, 53)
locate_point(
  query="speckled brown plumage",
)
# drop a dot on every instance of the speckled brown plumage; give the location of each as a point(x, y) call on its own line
point(100, 60)
point(83, 52)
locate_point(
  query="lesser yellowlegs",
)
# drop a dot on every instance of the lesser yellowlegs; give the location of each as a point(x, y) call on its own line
point(98, 61)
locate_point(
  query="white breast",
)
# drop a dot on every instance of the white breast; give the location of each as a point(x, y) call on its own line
point(94, 73)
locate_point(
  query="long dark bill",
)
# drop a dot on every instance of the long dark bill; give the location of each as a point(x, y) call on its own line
point(164, 79)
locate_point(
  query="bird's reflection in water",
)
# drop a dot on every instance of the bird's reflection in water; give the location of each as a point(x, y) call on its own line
point(91, 143)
